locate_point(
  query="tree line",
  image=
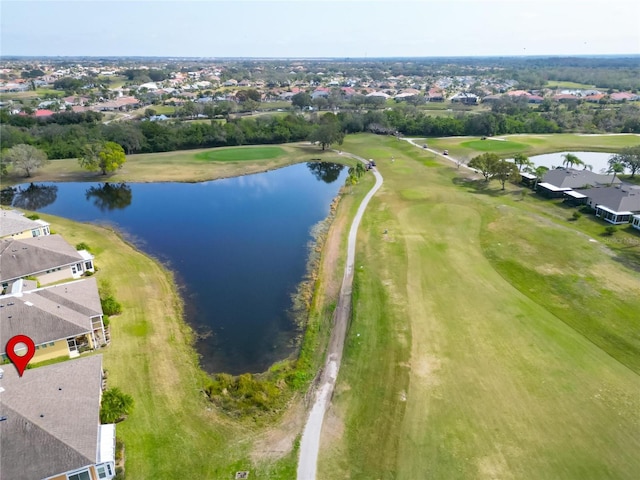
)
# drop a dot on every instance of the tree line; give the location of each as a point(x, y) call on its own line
point(66, 135)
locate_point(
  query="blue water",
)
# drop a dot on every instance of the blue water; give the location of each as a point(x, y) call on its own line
point(238, 248)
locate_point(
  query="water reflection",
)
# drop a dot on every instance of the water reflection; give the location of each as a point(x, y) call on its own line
point(326, 172)
point(109, 196)
point(33, 197)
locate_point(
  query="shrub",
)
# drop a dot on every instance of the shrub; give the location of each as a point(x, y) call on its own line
point(576, 216)
point(33, 216)
point(110, 306)
point(610, 230)
point(115, 405)
point(83, 246)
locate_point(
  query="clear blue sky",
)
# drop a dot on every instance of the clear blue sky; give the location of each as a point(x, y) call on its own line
point(308, 28)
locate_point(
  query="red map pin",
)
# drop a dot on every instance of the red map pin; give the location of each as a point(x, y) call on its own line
point(20, 361)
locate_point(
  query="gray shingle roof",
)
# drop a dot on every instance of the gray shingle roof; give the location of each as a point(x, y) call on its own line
point(623, 198)
point(569, 177)
point(51, 313)
point(12, 222)
point(19, 258)
point(52, 418)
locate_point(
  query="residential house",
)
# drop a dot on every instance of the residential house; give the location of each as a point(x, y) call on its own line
point(62, 320)
point(623, 97)
point(635, 222)
point(15, 225)
point(560, 180)
point(48, 258)
point(50, 423)
point(465, 98)
point(615, 204)
point(570, 177)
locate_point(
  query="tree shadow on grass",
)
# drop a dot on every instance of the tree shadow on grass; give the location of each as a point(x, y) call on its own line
point(492, 189)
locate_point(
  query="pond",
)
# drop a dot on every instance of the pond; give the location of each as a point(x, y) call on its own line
point(237, 246)
point(597, 160)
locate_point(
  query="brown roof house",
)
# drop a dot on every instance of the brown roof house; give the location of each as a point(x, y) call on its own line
point(48, 258)
point(14, 225)
point(62, 320)
point(50, 423)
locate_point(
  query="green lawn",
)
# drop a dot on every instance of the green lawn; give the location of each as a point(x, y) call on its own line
point(241, 154)
point(497, 146)
point(490, 337)
point(571, 85)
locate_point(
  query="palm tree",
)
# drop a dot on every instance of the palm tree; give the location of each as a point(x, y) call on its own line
point(521, 160)
point(540, 172)
point(615, 168)
point(570, 160)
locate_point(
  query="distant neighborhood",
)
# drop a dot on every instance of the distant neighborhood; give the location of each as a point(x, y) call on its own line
point(50, 417)
point(119, 87)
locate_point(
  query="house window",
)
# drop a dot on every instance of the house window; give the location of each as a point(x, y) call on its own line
point(73, 270)
point(88, 265)
point(35, 233)
point(81, 475)
point(104, 470)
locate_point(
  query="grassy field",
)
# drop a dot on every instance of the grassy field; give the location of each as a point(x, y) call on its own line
point(186, 165)
point(40, 93)
point(241, 154)
point(571, 85)
point(163, 109)
point(465, 148)
point(491, 337)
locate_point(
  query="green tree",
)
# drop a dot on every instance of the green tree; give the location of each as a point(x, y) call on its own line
point(521, 160)
point(485, 164)
point(504, 170)
point(301, 100)
point(629, 157)
point(115, 405)
point(570, 160)
point(327, 132)
point(615, 168)
point(26, 158)
point(106, 157)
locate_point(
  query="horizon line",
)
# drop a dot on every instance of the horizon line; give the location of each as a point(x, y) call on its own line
point(295, 57)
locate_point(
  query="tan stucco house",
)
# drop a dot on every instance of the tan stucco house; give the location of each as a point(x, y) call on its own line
point(62, 320)
point(14, 225)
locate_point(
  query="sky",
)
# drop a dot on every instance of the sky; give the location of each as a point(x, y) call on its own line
point(317, 28)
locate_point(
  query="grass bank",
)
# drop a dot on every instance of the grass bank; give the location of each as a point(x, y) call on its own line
point(185, 165)
point(491, 337)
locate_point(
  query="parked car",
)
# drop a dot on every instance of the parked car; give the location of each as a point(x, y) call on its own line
point(446, 152)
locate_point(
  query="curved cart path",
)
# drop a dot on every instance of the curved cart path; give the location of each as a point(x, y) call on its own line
point(310, 443)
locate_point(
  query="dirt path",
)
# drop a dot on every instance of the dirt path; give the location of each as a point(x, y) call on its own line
point(310, 443)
